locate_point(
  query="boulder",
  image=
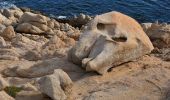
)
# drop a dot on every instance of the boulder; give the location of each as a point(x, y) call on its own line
point(3, 83)
point(12, 12)
point(159, 35)
point(7, 13)
point(5, 96)
point(8, 33)
point(32, 23)
point(55, 85)
point(4, 20)
point(28, 28)
point(31, 17)
point(110, 40)
point(2, 27)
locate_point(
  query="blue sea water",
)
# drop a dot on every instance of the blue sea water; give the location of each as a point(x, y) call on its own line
point(141, 10)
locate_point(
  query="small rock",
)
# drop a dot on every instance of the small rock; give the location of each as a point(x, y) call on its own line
point(28, 28)
point(8, 33)
point(55, 85)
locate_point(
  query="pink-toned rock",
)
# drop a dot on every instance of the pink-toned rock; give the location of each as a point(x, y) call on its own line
point(110, 39)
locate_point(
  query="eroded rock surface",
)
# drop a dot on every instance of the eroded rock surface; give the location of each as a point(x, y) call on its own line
point(55, 85)
point(110, 39)
point(33, 58)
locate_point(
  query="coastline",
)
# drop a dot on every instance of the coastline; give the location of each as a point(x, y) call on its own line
point(34, 49)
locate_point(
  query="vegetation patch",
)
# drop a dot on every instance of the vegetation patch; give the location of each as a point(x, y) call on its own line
point(12, 90)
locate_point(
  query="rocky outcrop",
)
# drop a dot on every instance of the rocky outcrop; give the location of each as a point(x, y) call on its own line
point(34, 60)
point(55, 85)
point(110, 39)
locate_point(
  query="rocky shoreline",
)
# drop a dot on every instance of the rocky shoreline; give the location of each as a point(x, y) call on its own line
point(34, 66)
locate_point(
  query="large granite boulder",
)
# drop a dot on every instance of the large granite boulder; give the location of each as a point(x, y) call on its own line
point(109, 40)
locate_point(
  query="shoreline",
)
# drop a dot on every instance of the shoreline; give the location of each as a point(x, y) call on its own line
point(35, 63)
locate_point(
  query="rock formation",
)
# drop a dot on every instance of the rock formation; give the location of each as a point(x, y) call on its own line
point(110, 39)
point(34, 49)
point(55, 85)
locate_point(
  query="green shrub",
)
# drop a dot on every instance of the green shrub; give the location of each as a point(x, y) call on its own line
point(12, 90)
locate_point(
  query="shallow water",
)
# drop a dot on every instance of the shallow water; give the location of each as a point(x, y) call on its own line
point(142, 10)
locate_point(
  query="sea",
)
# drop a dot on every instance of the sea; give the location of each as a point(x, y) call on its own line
point(141, 10)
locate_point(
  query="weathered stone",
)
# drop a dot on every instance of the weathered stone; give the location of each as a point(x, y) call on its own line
point(110, 39)
point(41, 26)
point(3, 83)
point(5, 96)
point(73, 34)
point(42, 68)
point(7, 13)
point(159, 35)
point(29, 87)
point(8, 54)
point(54, 43)
point(8, 33)
point(146, 26)
point(28, 28)
point(51, 23)
point(31, 17)
point(17, 81)
point(55, 85)
point(2, 27)
point(2, 42)
point(56, 25)
point(4, 20)
point(31, 95)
